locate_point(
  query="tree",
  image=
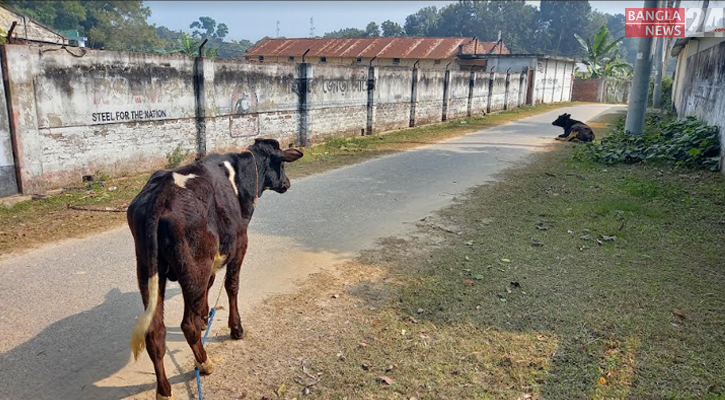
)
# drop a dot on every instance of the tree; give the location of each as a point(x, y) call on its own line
point(564, 18)
point(372, 30)
point(422, 23)
point(392, 29)
point(346, 33)
point(597, 49)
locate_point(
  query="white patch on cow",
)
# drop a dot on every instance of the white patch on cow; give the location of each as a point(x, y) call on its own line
point(232, 174)
point(219, 261)
point(180, 180)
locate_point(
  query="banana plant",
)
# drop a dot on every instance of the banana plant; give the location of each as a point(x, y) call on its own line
point(190, 47)
point(597, 49)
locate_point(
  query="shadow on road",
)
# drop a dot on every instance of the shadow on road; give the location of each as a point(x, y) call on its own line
point(69, 363)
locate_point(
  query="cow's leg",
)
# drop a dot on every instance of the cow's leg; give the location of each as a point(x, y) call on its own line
point(156, 346)
point(231, 284)
point(205, 315)
point(194, 285)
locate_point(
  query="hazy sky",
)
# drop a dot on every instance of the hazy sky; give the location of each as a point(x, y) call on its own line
point(253, 20)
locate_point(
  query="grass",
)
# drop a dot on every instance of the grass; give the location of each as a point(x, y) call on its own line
point(565, 280)
point(31, 223)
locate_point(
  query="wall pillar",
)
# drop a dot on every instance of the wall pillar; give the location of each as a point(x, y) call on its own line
point(369, 130)
point(519, 100)
point(413, 96)
point(471, 84)
point(490, 93)
point(506, 93)
point(200, 106)
point(446, 90)
point(303, 104)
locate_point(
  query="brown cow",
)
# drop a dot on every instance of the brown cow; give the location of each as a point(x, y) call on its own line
point(187, 224)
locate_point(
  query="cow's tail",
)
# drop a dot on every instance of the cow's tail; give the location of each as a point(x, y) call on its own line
point(138, 337)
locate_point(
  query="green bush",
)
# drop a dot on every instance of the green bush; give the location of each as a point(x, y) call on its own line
point(176, 157)
point(686, 142)
point(666, 99)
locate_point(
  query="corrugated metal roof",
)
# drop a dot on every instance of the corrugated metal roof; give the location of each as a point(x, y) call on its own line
point(409, 47)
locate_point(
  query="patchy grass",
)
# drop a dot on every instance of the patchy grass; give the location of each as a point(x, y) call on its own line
point(565, 280)
point(31, 223)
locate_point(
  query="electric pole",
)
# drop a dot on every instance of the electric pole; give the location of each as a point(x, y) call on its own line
point(657, 91)
point(277, 29)
point(640, 83)
point(312, 27)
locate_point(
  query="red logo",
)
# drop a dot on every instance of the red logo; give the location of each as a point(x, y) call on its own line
point(654, 22)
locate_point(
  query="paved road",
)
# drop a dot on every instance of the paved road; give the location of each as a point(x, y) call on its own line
point(68, 308)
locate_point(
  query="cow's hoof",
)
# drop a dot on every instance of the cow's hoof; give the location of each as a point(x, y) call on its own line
point(159, 396)
point(206, 367)
point(237, 332)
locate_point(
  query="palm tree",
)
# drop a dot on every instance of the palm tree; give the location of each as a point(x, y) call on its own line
point(596, 51)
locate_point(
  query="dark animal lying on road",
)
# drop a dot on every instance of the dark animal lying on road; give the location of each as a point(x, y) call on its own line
point(573, 130)
point(187, 224)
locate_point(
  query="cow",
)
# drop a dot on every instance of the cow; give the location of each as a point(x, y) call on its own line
point(187, 224)
point(573, 130)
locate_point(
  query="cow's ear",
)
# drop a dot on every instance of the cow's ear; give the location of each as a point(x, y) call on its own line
point(290, 155)
point(567, 115)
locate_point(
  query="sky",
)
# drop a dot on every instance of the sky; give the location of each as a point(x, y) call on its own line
point(253, 20)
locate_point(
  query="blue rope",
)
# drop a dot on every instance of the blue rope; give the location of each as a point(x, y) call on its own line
point(203, 340)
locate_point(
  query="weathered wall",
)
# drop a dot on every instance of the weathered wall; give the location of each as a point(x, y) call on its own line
point(338, 101)
point(115, 111)
point(249, 100)
point(392, 98)
point(8, 183)
point(458, 94)
point(479, 101)
point(703, 86)
point(124, 112)
point(602, 90)
point(429, 107)
point(498, 94)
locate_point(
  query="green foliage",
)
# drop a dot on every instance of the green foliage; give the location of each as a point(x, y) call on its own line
point(596, 51)
point(685, 142)
point(372, 30)
point(101, 176)
point(392, 29)
point(210, 28)
point(666, 92)
point(346, 33)
point(176, 157)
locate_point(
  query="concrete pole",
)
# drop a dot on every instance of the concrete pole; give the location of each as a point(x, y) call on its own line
point(659, 50)
point(640, 82)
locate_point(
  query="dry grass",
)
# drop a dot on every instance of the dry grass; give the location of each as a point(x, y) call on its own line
point(508, 294)
point(32, 223)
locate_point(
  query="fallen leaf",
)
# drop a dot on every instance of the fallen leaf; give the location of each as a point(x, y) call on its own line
point(536, 243)
point(506, 260)
point(478, 277)
point(413, 320)
point(421, 311)
point(469, 242)
point(364, 366)
point(468, 282)
point(602, 380)
point(679, 314)
point(570, 232)
point(542, 228)
point(609, 238)
point(403, 332)
point(386, 380)
point(586, 237)
point(335, 296)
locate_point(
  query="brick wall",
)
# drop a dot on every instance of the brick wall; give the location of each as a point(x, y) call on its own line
point(586, 90)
